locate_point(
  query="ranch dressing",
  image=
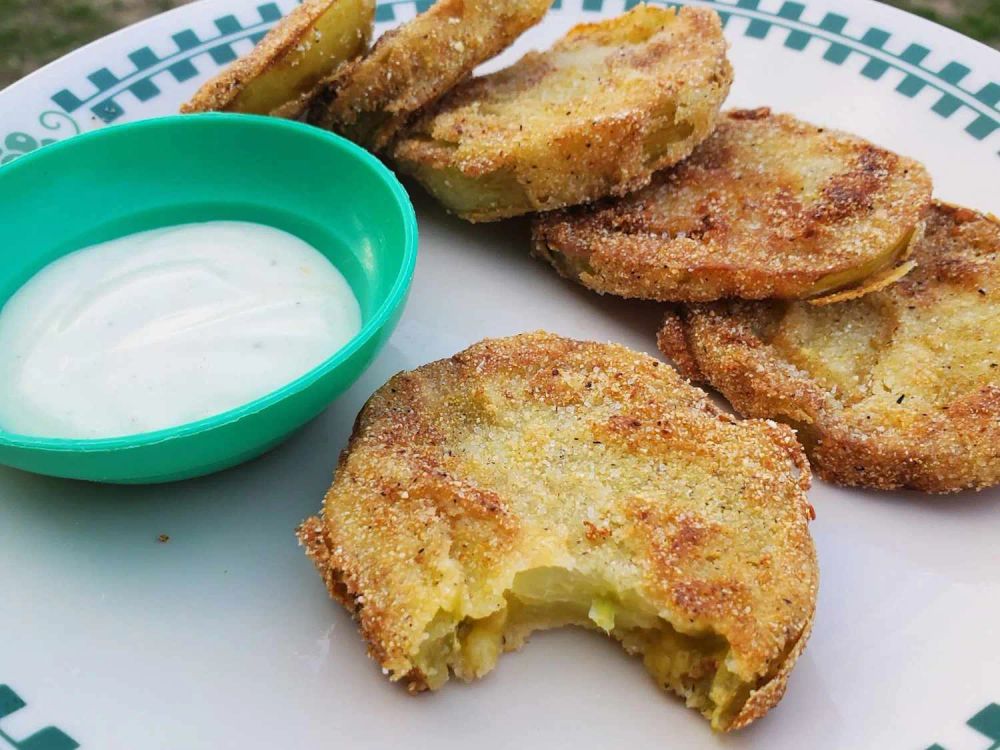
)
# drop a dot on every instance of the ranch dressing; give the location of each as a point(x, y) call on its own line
point(166, 327)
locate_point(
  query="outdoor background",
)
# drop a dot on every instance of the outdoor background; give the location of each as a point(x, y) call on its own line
point(33, 32)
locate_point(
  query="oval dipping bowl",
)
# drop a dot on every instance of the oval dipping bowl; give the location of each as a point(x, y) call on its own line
point(177, 170)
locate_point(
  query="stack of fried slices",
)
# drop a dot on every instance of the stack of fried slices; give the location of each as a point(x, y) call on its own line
point(534, 481)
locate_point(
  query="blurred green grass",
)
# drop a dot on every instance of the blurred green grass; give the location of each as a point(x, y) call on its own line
point(979, 19)
point(33, 32)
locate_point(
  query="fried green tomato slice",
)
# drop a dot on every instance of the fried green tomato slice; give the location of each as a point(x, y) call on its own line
point(609, 104)
point(279, 75)
point(767, 207)
point(412, 66)
point(900, 388)
point(534, 482)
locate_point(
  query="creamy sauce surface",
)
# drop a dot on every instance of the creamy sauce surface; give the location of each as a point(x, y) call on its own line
point(166, 327)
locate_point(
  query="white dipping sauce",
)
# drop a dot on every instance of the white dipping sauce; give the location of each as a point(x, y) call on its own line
point(166, 327)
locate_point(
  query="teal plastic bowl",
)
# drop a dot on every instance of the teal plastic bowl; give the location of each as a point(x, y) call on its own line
point(175, 170)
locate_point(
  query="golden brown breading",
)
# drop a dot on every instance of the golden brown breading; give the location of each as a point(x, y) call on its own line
point(412, 66)
point(596, 115)
point(900, 388)
point(536, 481)
point(279, 74)
point(768, 206)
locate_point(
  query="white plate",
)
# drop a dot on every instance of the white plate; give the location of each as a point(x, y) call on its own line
point(224, 637)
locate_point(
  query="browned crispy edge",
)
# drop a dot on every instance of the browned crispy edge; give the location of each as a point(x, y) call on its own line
point(312, 536)
point(874, 283)
point(218, 93)
point(766, 697)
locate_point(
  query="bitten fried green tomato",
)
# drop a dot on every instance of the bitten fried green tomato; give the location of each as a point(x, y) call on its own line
point(900, 388)
point(534, 482)
point(279, 75)
point(767, 207)
point(609, 104)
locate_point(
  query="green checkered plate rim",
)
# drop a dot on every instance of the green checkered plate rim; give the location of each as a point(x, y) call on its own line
point(192, 55)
